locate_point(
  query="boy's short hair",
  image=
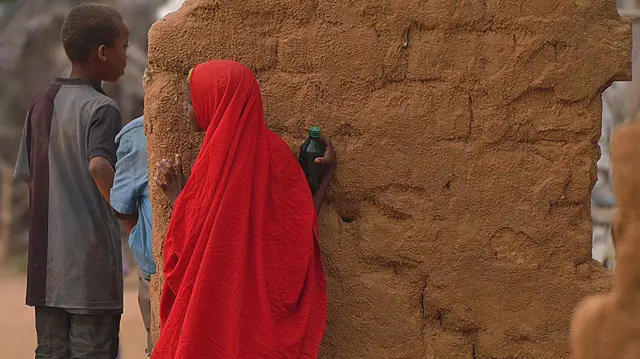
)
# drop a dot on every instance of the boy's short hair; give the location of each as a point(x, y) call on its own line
point(88, 26)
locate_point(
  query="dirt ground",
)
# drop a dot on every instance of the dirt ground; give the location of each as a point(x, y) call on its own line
point(17, 333)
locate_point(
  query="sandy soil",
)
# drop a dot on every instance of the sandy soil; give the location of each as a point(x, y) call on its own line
point(17, 333)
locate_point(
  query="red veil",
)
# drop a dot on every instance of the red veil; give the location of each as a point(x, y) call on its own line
point(243, 274)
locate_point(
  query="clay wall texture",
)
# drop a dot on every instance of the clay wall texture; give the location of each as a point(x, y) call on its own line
point(458, 224)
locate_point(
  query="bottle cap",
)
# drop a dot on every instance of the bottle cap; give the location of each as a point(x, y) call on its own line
point(315, 132)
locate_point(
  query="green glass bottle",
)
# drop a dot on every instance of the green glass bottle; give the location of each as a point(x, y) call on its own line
point(311, 149)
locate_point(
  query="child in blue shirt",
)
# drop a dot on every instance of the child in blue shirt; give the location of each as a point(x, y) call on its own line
point(130, 200)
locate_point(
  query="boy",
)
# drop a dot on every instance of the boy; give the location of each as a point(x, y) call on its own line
point(130, 200)
point(66, 155)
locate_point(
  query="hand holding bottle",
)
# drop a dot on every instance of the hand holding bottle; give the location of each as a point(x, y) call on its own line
point(329, 159)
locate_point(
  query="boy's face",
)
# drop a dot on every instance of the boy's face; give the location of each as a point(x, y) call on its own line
point(113, 60)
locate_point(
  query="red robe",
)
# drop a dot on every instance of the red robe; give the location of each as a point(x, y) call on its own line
point(243, 275)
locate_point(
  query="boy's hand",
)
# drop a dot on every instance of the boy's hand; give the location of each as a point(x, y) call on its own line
point(102, 173)
point(329, 159)
point(169, 176)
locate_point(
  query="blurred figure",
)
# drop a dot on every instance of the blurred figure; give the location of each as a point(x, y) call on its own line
point(607, 326)
point(130, 200)
point(67, 155)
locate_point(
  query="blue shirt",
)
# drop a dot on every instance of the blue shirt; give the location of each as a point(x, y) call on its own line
point(130, 192)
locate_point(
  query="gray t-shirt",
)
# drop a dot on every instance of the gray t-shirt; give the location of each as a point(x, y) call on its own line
point(75, 253)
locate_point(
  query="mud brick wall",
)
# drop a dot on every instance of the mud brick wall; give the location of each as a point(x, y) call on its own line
point(458, 224)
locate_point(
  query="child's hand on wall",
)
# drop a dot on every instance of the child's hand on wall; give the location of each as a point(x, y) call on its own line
point(169, 176)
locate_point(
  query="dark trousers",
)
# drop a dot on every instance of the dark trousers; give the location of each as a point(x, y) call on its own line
point(64, 335)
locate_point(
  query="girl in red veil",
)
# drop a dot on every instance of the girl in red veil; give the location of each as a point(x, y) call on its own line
point(243, 275)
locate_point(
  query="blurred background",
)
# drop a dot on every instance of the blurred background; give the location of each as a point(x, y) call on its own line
point(31, 55)
point(620, 105)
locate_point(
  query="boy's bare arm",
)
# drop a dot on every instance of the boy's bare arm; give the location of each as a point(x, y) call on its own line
point(102, 173)
point(128, 222)
point(104, 126)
